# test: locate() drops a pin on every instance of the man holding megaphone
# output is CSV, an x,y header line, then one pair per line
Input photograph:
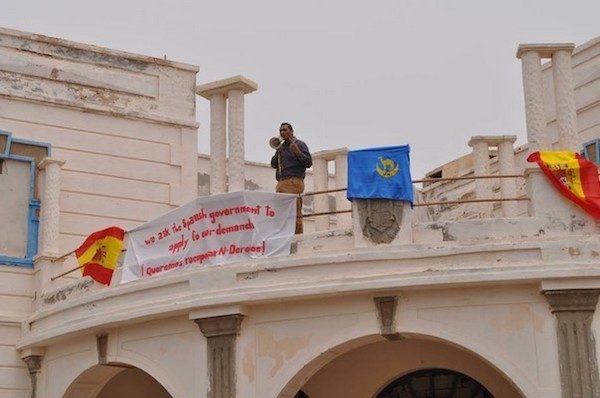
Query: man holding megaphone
x,y
290,161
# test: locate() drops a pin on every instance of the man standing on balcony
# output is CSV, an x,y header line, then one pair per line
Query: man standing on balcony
x,y
290,161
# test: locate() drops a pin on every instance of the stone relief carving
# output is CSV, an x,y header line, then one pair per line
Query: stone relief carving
x,y
380,219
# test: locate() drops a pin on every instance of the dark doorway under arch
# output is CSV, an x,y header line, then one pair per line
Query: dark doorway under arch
x,y
435,383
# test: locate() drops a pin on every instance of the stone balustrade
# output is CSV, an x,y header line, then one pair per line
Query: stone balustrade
x,y
321,182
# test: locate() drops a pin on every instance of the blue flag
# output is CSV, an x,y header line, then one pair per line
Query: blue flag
x,y
380,173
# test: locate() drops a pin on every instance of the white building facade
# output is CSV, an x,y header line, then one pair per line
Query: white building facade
x,y
493,300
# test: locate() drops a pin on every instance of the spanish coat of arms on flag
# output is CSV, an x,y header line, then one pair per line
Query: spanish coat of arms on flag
x,y
575,177
99,253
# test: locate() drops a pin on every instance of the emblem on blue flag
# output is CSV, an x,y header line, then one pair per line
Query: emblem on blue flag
x,y
387,167
382,173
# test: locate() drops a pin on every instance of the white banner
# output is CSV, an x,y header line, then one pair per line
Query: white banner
x,y
212,230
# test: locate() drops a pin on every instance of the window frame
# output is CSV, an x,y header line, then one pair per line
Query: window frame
x,y
596,158
33,219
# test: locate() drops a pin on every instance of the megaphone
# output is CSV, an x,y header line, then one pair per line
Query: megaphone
x,y
275,142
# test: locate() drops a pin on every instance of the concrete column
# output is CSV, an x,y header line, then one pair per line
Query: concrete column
x,y
533,91
481,167
218,144
233,88
321,201
235,165
44,263
508,187
50,206
574,310
339,155
564,96
221,333
344,220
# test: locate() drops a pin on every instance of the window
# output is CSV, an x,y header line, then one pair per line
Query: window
x,y
431,383
591,151
19,198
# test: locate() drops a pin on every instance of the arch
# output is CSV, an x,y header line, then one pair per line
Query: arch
x,y
115,362
149,367
116,380
323,357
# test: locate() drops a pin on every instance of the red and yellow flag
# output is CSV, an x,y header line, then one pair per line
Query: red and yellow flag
x,y
99,253
575,177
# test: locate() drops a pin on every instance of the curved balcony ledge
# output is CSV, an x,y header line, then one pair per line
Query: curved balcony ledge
x,y
296,277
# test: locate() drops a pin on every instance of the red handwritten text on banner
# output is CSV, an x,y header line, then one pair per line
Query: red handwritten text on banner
x,y
211,230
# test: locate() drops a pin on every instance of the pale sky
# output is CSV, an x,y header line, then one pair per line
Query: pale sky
x,y
345,73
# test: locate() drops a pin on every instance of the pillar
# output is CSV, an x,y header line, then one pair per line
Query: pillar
x,y
221,333
344,220
574,310
508,186
530,55
218,144
481,167
50,209
233,90
44,263
533,91
564,97
321,201
235,164
33,359
321,177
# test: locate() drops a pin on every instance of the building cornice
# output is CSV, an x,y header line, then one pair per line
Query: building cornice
x,y
97,49
298,278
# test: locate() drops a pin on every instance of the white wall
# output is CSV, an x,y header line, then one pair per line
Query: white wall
x,y
124,124
509,328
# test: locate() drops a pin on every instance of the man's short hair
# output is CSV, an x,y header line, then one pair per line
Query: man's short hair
x,y
287,124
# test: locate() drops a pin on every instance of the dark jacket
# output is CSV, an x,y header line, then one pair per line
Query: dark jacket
x,y
287,164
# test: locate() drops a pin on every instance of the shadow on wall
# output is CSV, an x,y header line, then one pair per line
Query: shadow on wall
x,y
133,383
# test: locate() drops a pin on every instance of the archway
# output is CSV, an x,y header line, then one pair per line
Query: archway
x,y
116,381
367,370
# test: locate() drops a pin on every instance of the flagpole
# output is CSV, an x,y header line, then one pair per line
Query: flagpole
x,y
72,269
63,256
66,272
69,253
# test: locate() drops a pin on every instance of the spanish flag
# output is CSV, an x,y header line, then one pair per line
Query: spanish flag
x,y
575,177
99,253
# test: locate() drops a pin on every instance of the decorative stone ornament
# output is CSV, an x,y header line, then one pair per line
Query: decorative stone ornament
x,y
34,363
102,347
386,313
380,219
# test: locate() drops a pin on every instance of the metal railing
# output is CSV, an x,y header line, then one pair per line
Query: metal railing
x,y
432,180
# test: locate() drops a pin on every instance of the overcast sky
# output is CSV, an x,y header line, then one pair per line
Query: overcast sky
x,y
344,73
